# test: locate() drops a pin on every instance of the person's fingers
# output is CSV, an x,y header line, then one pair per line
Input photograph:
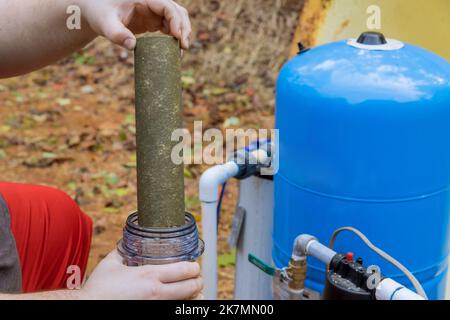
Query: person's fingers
x,y
165,27
168,10
186,28
174,20
178,272
115,31
115,257
182,289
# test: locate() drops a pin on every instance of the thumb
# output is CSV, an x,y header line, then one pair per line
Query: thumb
x,y
114,30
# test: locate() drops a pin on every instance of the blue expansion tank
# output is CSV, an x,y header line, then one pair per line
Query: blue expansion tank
x,y
364,141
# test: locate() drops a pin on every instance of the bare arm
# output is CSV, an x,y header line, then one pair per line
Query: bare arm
x,y
34,33
112,280
48,295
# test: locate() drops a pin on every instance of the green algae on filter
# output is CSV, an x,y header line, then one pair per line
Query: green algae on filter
x,y
160,182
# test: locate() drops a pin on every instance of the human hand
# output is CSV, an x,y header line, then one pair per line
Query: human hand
x,y
121,20
113,280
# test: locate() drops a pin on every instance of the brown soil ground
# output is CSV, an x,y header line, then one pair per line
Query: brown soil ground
x,y
71,125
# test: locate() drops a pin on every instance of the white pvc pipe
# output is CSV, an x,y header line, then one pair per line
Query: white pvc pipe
x,y
210,181
320,252
389,289
307,245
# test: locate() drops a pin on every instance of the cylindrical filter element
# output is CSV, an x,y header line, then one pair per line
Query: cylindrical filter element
x,y
160,182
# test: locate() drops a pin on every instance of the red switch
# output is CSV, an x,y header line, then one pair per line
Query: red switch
x,y
349,256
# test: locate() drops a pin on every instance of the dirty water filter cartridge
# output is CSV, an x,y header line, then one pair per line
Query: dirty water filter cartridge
x,y
158,113
160,232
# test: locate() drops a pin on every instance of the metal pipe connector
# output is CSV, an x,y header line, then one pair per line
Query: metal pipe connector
x,y
152,246
305,245
297,273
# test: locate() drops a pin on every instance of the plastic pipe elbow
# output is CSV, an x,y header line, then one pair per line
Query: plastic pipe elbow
x,y
300,248
210,181
307,245
212,178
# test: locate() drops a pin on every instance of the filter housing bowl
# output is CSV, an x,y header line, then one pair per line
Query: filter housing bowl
x,y
153,246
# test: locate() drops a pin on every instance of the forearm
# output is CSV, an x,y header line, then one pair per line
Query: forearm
x,y
33,34
47,295
111,279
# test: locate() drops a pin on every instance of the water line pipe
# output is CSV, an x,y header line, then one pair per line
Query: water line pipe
x,y
387,289
243,164
210,181
307,245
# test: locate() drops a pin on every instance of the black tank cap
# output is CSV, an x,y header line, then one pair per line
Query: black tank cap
x,y
302,48
372,38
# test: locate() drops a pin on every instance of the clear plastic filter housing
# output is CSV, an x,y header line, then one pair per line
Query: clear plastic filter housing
x,y
152,246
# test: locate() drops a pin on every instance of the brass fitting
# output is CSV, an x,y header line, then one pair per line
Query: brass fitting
x,y
297,273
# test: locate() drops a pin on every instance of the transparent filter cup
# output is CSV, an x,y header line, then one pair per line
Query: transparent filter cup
x,y
143,246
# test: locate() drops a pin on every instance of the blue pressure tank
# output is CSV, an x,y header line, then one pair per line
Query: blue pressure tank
x,y
364,141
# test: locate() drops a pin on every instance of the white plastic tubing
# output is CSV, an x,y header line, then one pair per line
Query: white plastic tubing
x,y
389,289
210,181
